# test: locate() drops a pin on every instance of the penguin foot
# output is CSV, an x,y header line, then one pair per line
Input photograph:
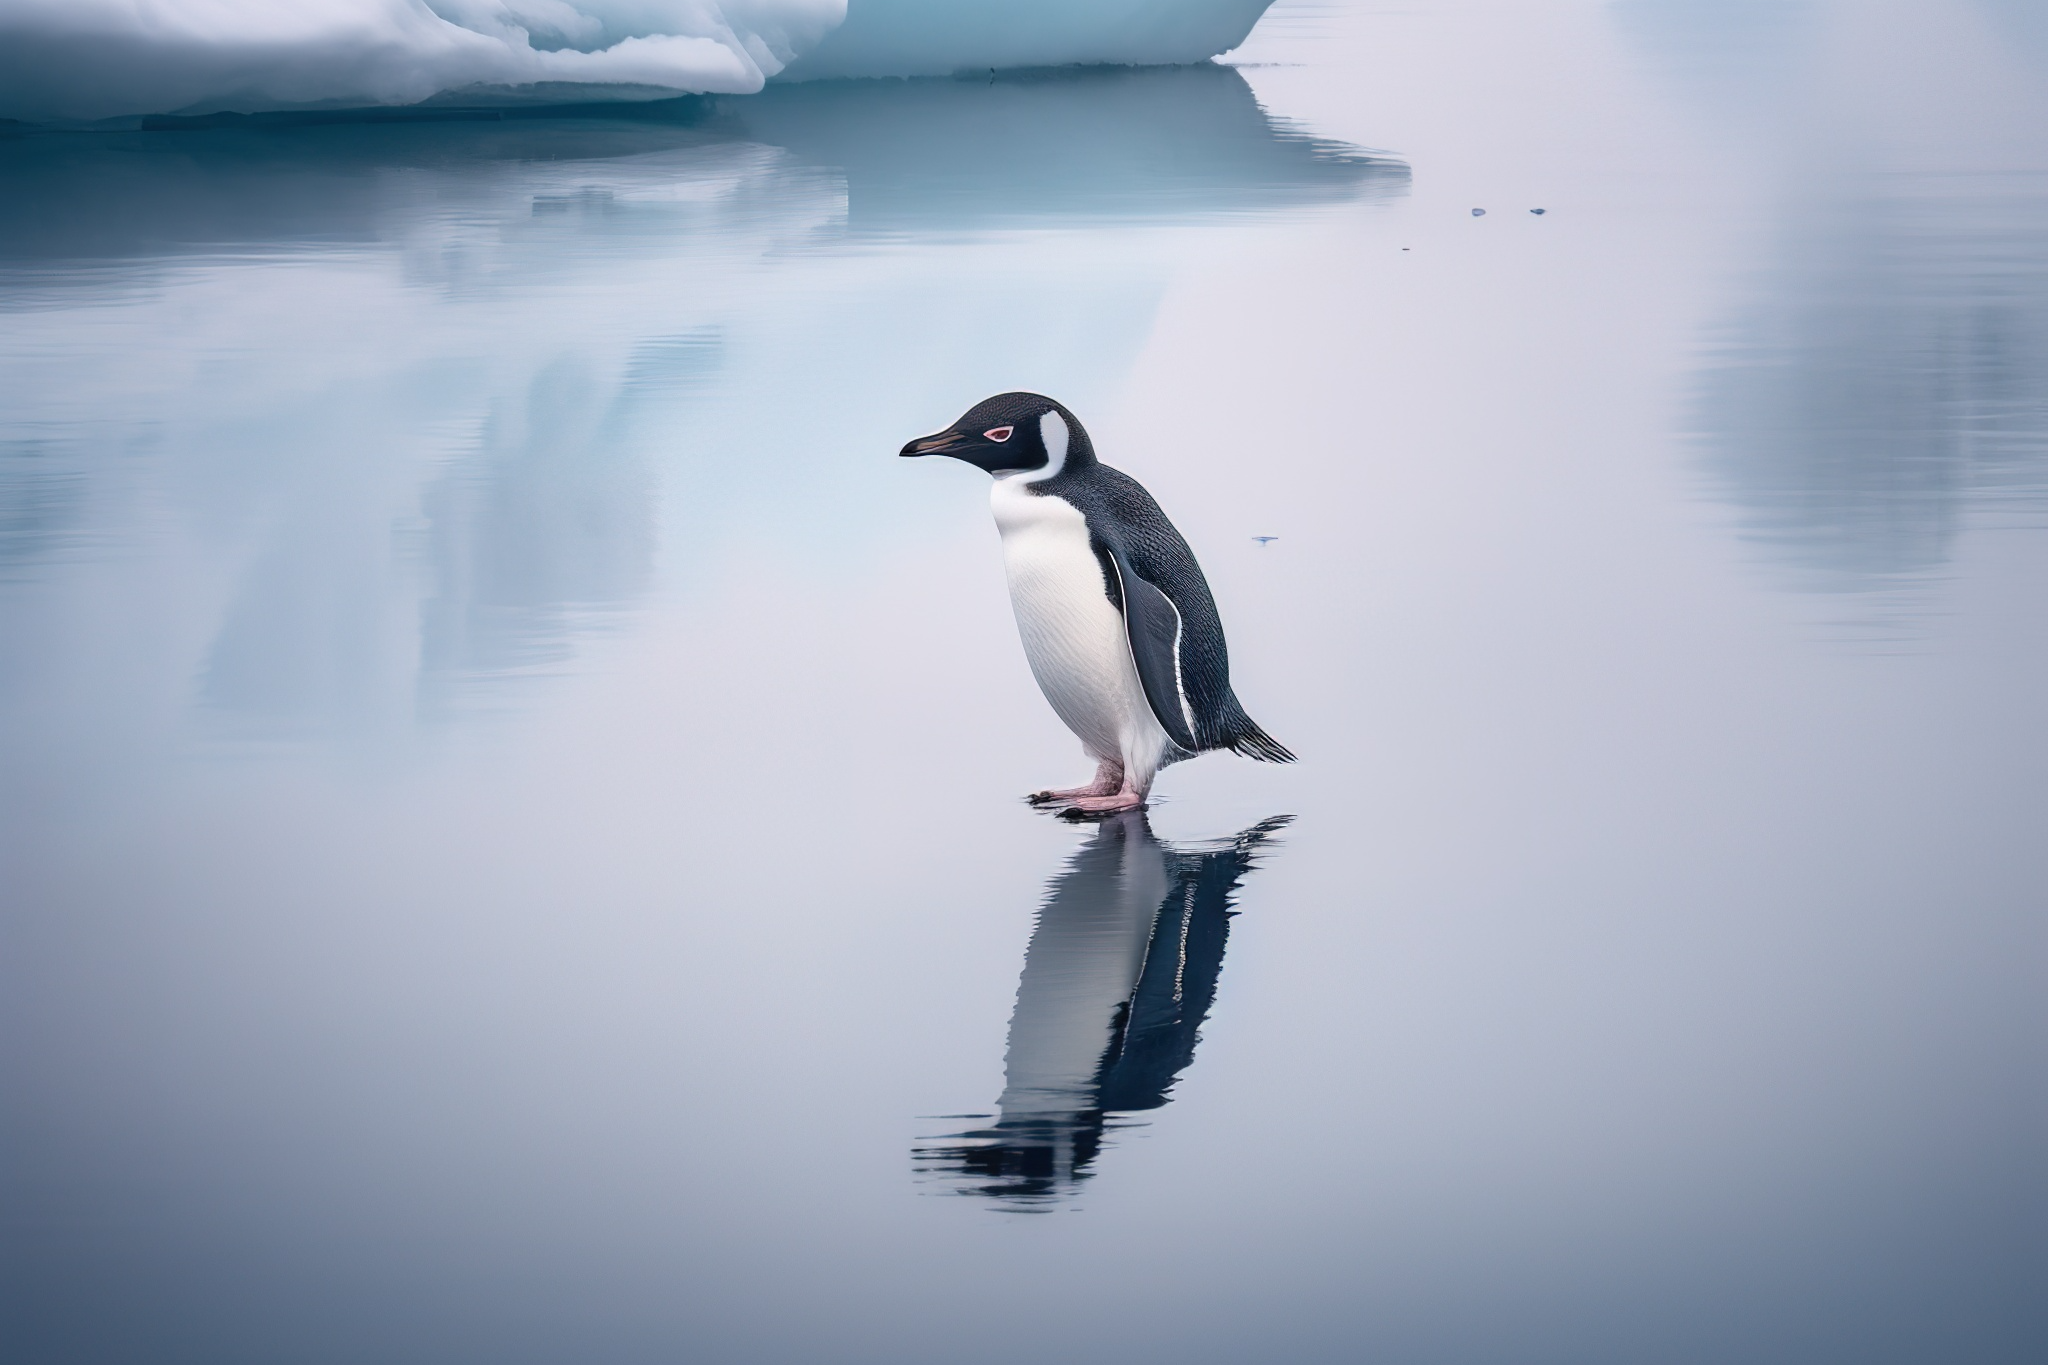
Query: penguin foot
x,y
1103,805
1048,798
1109,780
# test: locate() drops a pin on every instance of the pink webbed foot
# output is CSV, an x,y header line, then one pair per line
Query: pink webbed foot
x,y
1114,804
1107,781
1048,798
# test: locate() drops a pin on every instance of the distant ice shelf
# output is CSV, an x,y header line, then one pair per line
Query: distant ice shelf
x,y
85,60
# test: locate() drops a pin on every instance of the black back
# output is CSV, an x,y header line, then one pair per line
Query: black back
x,y
1133,537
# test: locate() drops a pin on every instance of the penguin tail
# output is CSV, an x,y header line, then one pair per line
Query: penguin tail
x,y
1252,742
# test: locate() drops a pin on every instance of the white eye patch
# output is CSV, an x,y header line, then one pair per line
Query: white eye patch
x,y
999,433
1052,429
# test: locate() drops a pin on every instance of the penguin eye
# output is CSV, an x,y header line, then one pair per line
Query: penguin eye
x,y
999,433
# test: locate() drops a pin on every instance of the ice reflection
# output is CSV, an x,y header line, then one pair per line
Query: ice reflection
x,y
1883,380
1120,974
921,155
1890,379
1078,144
42,503
552,513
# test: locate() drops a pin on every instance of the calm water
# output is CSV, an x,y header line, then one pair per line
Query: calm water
x,y
509,790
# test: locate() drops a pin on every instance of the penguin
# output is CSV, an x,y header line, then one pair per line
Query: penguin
x,y
1116,617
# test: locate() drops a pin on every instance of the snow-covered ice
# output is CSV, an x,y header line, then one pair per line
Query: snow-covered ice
x,y
84,60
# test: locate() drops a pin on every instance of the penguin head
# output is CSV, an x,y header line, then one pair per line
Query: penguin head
x,y
1012,433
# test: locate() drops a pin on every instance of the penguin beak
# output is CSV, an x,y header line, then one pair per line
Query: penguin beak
x,y
943,443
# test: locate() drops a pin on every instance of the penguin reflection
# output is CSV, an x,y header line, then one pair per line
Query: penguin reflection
x,y
1119,976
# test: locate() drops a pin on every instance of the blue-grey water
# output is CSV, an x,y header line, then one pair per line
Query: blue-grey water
x,y
509,791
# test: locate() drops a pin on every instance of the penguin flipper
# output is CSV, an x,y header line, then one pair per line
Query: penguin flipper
x,y
1154,627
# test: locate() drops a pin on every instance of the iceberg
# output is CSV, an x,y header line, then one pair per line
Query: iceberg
x,y
95,59
945,37
90,60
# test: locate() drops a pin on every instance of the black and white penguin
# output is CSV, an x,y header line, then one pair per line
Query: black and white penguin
x,y
1117,619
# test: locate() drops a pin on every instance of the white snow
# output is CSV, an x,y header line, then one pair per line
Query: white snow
x,y
94,59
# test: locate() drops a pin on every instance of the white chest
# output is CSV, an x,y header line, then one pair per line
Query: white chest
x,y
1055,579
1073,635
